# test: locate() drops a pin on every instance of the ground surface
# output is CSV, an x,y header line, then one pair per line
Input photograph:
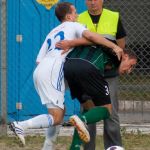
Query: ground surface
x,y
130,141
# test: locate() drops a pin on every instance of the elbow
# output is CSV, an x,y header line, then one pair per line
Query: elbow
x,y
90,38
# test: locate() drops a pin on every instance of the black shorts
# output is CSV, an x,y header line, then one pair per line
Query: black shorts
x,y
85,80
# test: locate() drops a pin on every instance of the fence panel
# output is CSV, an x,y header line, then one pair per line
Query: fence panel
x,y
3,96
134,92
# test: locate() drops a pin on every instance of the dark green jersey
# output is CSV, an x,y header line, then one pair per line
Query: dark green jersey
x,y
99,56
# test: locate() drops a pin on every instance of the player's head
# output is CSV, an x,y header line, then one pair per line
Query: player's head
x,y
66,11
128,62
94,6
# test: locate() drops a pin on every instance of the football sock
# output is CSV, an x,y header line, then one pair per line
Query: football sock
x,y
40,121
94,115
76,142
89,116
50,139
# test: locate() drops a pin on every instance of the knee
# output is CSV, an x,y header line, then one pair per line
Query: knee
x,y
58,115
58,118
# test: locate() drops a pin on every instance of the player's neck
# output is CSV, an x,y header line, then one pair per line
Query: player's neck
x,y
67,21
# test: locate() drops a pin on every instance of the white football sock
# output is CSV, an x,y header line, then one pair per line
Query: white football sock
x,y
40,121
50,139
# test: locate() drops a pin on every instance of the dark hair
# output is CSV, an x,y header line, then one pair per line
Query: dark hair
x,y
62,9
130,53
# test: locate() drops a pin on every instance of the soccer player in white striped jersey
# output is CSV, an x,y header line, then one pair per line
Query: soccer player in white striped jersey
x,y
48,75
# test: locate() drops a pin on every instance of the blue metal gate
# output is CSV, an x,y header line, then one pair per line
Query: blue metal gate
x,y
27,24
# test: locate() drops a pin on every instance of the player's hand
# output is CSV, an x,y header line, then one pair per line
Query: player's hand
x,y
118,51
64,45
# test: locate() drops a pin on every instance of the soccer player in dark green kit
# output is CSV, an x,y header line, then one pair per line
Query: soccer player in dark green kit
x,y
84,71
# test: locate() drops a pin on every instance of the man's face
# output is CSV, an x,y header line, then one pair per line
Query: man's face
x,y
73,15
127,65
94,6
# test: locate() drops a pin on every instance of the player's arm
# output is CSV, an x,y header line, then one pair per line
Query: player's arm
x,y
121,42
67,44
98,39
78,42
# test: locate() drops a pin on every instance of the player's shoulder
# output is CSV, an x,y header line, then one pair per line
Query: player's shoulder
x,y
77,24
70,23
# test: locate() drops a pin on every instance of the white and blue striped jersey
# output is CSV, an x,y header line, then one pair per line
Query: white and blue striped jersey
x,y
48,75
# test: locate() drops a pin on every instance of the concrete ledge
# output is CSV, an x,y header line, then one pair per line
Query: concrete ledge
x,y
134,105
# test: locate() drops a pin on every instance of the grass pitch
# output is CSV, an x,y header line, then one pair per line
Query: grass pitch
x,y
130,142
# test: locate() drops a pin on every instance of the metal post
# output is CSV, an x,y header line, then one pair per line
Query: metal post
x,y
3,123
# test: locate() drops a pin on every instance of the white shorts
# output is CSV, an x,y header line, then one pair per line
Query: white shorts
x,y
51,105
49,81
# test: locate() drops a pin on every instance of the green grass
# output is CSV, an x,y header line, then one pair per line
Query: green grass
x,y
130,142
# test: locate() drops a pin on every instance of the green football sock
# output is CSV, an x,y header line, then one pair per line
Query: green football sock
x,y
76,142
94,115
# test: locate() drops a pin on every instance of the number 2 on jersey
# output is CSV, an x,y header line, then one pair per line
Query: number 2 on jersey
x,y
59,35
